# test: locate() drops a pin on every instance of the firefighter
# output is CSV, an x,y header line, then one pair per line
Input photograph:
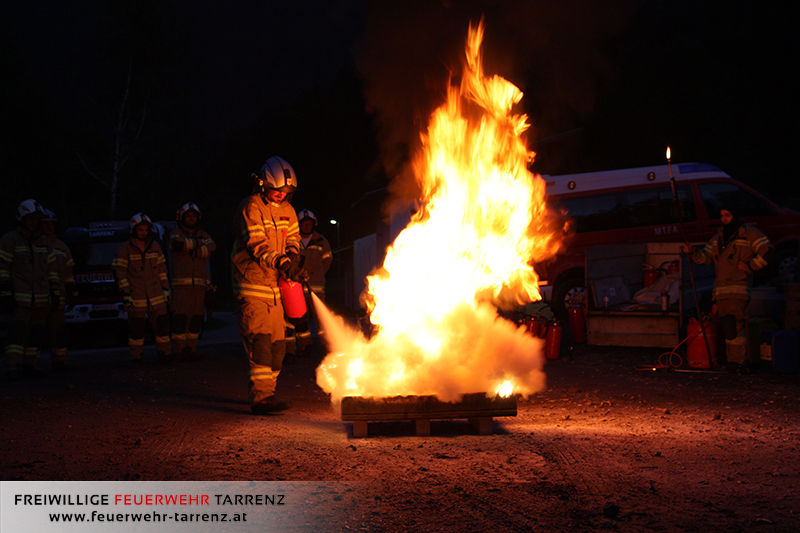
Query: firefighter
x,y
28,289
141,273
191,247
316,255
56,323
736,251
267,246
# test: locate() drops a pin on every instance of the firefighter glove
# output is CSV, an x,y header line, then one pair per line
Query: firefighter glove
x,y
55,299
289,267
72,294
300,273
167,296
127,302
284,266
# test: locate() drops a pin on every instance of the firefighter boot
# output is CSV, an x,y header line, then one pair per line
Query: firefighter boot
x,y
268,406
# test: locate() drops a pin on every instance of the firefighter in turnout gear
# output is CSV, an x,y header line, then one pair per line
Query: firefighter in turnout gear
x,y
141,273
316,260
28,290
56,322
191,248
736,251
266,247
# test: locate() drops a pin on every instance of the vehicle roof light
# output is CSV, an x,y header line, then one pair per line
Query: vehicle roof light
x,y
688,168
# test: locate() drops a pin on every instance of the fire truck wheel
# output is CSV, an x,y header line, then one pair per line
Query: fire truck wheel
x,y
564,293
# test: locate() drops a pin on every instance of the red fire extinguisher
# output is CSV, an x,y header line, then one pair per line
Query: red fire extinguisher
x,y
650,277
294,300
577,322
536,326
553,342
674,267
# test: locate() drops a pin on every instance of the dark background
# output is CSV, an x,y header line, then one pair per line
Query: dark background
x,y
187,99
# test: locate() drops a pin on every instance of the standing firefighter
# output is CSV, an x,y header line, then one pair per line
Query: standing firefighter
x,y
317,257
56,322
266,247
737,250
191,248
28,289
141,273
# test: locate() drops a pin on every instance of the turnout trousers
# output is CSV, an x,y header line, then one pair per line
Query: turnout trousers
x,y
57,328
137,324
188,308
735,339
26,336
262,329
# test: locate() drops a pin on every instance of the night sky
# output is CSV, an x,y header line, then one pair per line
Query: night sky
x,y
343,90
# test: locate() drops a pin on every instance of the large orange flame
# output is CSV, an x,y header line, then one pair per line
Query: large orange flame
x,y
469,250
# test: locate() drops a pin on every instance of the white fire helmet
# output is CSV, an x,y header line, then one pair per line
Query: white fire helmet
x,y
138,219
188,207
49,216
29,207
306,214
278,175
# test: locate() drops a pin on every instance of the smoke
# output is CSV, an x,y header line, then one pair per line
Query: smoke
x,y
555,51
479,350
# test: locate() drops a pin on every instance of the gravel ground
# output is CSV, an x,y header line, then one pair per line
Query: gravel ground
x,y
606,446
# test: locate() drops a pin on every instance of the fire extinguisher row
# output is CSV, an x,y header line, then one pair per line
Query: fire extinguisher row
x,y
550,331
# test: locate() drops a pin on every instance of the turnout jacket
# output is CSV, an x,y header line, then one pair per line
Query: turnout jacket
x,y
318,260
190,253
143,275
264,232
747,245
27,268
64,266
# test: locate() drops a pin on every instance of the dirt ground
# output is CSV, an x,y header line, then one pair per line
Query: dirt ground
x,y
607,446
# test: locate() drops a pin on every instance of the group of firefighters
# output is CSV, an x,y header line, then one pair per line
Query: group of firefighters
x,y
36,283
36,279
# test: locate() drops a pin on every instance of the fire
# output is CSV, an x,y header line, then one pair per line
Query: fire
x,y
468,251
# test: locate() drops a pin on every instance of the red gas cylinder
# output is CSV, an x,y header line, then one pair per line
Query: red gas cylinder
x,y
696,346
577,322
553,342
294,300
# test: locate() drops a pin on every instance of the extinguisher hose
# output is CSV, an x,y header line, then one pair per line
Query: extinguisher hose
x,y
672,360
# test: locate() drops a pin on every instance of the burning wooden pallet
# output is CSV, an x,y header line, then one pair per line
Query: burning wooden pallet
x,y
476,408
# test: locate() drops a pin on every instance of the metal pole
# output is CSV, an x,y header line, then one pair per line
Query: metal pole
x,y
689,259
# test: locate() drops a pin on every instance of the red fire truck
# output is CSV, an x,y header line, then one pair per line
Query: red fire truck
x,y
638,205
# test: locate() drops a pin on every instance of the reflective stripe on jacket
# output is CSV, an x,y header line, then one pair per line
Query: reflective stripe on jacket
x,y
190,253
27,268
64,266
748,245
264,231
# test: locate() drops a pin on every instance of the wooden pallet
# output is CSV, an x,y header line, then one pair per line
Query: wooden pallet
x,y
476,408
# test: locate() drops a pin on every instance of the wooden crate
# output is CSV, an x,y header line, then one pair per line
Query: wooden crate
x,y
476,408
634,328
616,273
